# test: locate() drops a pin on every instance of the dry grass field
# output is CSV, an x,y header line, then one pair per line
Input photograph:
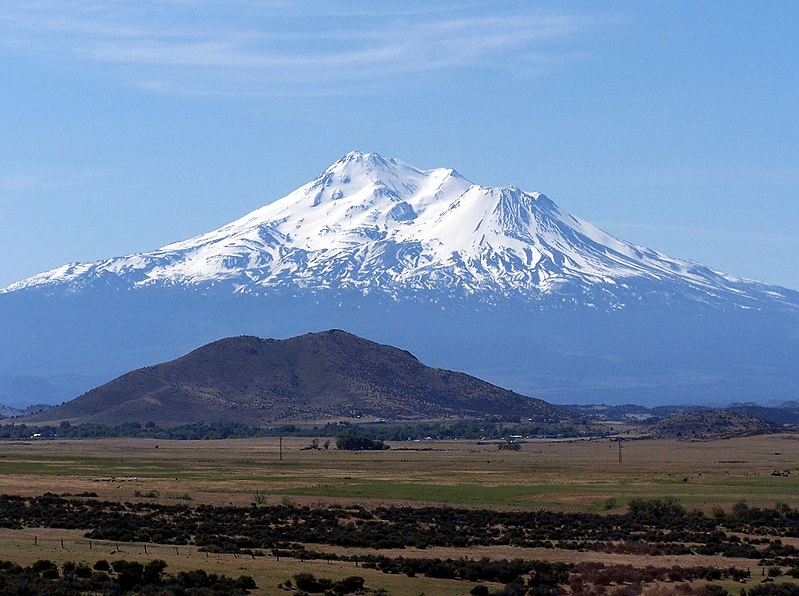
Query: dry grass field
x,y
589,476
561,475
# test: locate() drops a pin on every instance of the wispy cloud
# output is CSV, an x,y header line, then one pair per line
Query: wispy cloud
x,y
34,182
726,237
211,47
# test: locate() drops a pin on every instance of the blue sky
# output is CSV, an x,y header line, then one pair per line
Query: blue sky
x,y
128,125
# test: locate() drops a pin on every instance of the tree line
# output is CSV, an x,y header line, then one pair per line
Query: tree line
x,y
488,429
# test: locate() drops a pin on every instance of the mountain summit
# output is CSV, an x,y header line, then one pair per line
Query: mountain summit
x,y
379,225
496,282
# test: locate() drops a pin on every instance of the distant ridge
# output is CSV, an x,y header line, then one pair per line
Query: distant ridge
x,y
317,377
782,414
712,424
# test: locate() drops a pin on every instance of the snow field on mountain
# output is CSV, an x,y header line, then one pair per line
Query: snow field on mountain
x,y
384,226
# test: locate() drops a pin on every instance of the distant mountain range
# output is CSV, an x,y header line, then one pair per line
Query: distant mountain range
x,y
705,426
779,414
319,377
497,282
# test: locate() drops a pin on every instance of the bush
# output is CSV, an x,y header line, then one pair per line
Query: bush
x,y
48,569
246,582
352,443
712,590
509,446
348,585
306,582
152,571
43,565
655,511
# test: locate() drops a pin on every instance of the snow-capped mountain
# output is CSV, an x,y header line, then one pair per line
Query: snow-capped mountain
x,y
495,282
381,225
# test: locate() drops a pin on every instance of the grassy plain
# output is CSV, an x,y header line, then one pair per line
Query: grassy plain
x,y
589,475
577,475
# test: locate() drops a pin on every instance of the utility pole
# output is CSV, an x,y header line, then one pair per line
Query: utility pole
x,y
621,446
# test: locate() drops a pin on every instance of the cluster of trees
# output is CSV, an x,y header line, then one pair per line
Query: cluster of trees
x,y
491,429
45,578
89,430
540,578
473,570
587,577
359,443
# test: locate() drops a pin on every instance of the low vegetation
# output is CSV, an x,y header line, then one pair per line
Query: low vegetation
x,y
44,577
656,527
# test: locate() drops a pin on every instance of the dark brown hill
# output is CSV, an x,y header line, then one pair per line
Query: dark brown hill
x,y
315,377
712,424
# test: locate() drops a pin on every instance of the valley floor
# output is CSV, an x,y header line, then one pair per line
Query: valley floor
x,y
594,478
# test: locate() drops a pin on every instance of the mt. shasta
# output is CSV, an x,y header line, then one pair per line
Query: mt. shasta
x,y
495,281
377,225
